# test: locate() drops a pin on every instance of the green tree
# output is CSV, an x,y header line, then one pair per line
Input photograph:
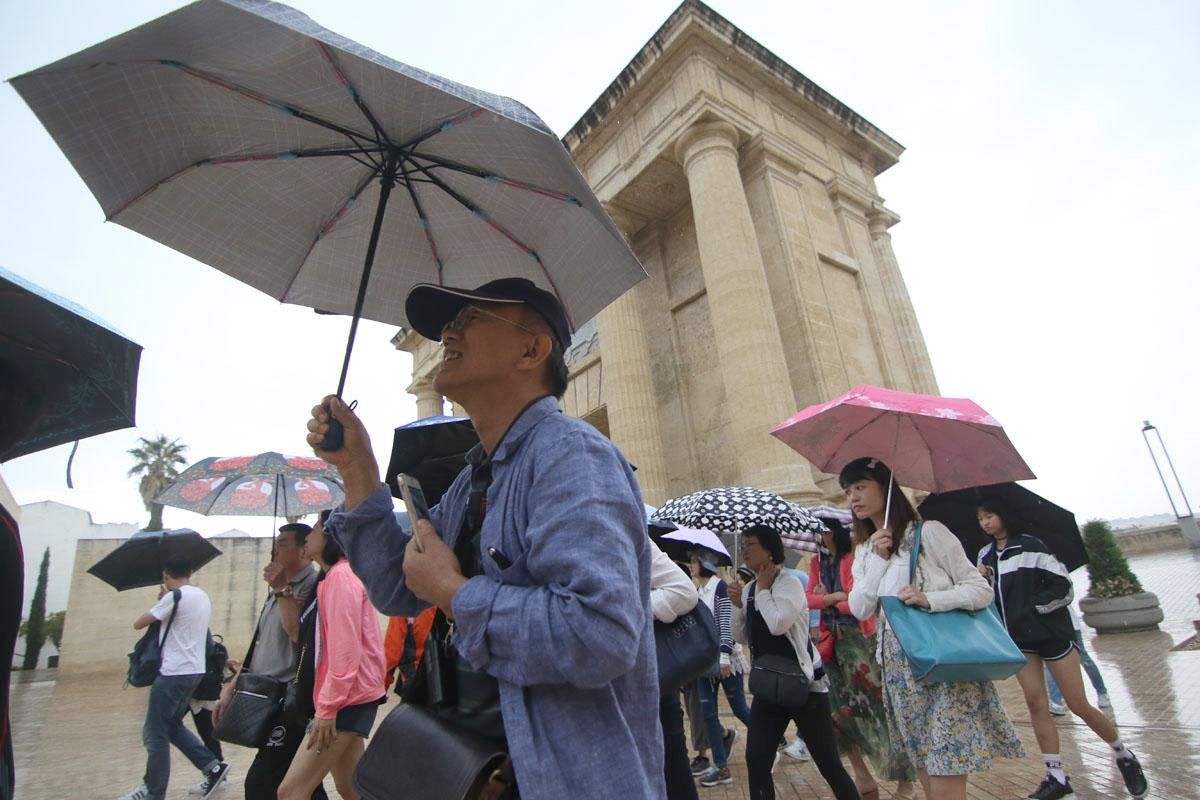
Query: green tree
x,y
1109,574
157,461
54,628
35,627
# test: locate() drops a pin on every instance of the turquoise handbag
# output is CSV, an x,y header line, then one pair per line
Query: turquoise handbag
x,y
950,646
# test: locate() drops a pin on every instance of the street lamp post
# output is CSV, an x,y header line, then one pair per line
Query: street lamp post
x,y
1187,524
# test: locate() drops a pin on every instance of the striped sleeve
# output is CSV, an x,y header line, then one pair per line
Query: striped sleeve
x,y
723,609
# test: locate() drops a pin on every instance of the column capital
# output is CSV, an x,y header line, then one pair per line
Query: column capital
x,y
703,136
879,219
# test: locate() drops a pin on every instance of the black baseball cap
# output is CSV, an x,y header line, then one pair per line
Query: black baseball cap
x,y
429,306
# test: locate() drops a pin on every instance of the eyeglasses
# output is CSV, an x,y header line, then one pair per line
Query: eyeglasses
x,y
470,314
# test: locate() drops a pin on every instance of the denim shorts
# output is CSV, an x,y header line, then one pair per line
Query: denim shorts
x,y
357,720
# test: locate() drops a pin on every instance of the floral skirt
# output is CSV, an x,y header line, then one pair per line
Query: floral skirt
x,y
856,694
947,728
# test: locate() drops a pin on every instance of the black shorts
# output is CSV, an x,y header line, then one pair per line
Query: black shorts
x,y
357,719
1050,649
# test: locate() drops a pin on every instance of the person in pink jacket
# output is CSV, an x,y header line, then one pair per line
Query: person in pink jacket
x,y
341,630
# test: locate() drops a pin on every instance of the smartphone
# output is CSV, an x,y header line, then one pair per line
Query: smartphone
x,y
414,501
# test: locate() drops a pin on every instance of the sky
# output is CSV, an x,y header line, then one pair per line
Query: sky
x,y
1046,193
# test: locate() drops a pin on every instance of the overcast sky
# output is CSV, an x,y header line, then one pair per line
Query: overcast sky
x,y
1046,192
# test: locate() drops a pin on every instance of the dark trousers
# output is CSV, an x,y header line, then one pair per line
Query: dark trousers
x,y
202,719
272,761
678,774
815,726
164,727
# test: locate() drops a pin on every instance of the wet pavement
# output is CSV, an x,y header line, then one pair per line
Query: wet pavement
x,y
82,738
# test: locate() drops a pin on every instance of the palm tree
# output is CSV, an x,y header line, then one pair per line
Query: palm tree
x,y
157,461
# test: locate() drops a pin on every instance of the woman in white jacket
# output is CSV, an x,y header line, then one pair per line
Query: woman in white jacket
x,y
948,729
672,594
771,615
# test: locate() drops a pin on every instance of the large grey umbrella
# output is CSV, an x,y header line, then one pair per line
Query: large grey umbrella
x,y
250,138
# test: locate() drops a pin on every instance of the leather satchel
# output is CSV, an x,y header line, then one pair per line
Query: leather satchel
x,y
688,648
779,680
416,754
951,646
252,711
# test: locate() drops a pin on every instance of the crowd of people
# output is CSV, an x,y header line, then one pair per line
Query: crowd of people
x,y
534,577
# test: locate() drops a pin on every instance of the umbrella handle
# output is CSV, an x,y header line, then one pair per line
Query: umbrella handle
x,y
887,507
336,436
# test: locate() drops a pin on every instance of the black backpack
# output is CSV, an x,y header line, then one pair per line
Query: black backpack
x,y
215,658
146,658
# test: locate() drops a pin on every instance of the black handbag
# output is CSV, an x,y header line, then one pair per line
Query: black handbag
x,y
146,659
688,648
779,680
252,711
417,754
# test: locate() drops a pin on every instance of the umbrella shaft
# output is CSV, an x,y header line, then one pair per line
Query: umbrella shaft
x,y
388,179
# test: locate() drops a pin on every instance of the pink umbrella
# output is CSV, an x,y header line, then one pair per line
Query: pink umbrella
x,y
934,443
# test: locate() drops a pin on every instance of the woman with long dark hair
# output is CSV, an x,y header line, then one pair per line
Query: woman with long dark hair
x,y
348,664
771,614
1033,592
947,730
847,648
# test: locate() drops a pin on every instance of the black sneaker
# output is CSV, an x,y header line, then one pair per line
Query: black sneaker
x,y
699,766
1135,779
214,778
1051,789
730,738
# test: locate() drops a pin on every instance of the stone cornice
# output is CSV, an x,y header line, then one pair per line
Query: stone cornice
x,y
849,196
885,150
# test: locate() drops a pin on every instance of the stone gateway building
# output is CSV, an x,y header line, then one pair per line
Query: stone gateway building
x,y
748,192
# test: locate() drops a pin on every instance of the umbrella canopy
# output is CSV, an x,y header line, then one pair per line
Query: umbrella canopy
x,y
732,509
139,560
934,443
679,544
243,134
268,484
85,371
433,450
1033,514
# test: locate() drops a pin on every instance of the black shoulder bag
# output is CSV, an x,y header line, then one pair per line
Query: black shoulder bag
x,y
146,659
778,679
255,706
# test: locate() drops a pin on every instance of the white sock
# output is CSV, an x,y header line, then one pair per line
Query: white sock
x,y
1054,767
1120,751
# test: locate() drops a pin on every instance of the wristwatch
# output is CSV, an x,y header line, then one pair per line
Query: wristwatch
x,y
286,592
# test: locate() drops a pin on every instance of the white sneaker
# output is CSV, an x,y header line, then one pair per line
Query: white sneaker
x,y
1058,709
138,793
1102,701
797,751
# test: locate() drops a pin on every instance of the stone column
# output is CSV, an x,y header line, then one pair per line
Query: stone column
x,y
908,329
748,345
429,402
629,386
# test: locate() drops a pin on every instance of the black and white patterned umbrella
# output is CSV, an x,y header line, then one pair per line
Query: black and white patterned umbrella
x,y
732,509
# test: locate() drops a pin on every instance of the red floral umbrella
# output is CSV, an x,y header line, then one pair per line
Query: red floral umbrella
x,y
268,484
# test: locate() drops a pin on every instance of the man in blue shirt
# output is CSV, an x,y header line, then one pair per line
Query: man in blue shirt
x,y
552,600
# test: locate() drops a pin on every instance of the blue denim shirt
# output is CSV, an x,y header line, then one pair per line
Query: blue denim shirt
x,y
566,629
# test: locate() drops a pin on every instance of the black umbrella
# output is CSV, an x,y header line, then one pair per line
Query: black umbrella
x,y
433,450
139,560
85,372
1034,514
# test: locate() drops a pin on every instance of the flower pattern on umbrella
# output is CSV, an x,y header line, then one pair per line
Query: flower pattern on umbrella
x,y
268,484
731,510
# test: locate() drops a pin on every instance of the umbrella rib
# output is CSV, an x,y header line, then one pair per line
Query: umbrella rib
x,y
285,108
483,215
329,225
441,127
425,224
494,177
380,134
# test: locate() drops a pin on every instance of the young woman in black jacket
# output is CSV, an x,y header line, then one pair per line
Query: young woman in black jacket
x,y
1033,591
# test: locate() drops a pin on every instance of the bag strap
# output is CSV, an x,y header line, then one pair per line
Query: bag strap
x,y
916,552
177,594
254,641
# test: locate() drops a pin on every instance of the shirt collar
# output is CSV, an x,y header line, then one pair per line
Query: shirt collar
x,y
534,413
